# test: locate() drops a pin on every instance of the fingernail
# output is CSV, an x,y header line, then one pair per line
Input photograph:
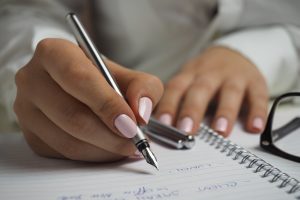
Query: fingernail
x,y
222,124
145,108
165,119
258,123
186,124
126,126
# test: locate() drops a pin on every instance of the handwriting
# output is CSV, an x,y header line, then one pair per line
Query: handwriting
x,y
152,193
196,167
140,193
220,186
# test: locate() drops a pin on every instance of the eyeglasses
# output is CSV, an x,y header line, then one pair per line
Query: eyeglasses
x,y
281,136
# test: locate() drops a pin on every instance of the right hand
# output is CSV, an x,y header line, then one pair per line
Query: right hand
x,y
66,109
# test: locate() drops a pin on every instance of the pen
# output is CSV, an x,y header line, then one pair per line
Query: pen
x,y
169,135
91,51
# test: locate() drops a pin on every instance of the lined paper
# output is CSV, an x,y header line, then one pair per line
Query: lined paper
x,y
201,172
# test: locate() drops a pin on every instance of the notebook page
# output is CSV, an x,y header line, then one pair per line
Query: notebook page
x,y
202,172
251,143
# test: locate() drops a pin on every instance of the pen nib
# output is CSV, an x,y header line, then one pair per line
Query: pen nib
x,y
150,158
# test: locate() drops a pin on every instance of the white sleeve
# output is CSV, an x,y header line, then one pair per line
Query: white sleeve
x,y
272,51
24,23
230,12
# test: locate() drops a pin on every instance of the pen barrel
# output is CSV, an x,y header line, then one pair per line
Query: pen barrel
x,y
140,140
139,136
94,55
169,135
90,50
173,142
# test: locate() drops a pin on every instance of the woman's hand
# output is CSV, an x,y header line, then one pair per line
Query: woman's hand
x,y
222,73
66,109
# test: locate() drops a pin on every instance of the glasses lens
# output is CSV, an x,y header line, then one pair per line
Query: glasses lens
x,y
286,126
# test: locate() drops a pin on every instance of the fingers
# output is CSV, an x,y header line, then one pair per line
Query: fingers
x,y
75,118
258,106
73,111
170,102
230,100
61,142
143,91
195,103
76,75
39,146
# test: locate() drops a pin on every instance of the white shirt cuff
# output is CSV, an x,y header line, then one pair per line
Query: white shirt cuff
x,y
272,51
41,33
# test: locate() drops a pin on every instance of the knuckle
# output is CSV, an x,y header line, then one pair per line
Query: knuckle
x,y
227,110
259,98
78,120
259,106
148,79
19,108
263,97
33,143
21,77
175,84
44,46
203,84
16,107
108,106
75,71
259,80
187,110
163,107
153,80
234,88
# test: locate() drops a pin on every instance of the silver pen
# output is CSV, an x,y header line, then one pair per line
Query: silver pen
x,y
169,135
91,51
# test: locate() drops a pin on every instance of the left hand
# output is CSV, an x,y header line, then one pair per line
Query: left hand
x,y
219,72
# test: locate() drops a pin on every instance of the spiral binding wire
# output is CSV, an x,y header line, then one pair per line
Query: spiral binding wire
x,y
239,153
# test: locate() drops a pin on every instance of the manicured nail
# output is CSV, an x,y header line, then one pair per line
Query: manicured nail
x,y
222,124
145,108
186,124
126,126
165,119
258,123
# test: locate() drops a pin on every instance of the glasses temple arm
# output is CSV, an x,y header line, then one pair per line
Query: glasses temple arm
x,y
286,129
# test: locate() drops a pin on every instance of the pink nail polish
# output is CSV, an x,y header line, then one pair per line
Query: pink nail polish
x,y
222,124
145,108
258,123
126,126
186,124
165,119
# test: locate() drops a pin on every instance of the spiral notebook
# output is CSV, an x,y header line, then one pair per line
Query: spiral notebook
x,y
214,168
